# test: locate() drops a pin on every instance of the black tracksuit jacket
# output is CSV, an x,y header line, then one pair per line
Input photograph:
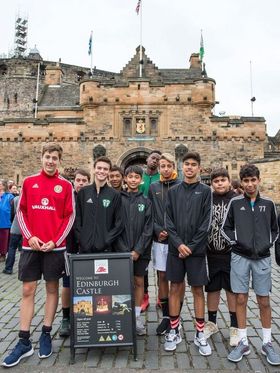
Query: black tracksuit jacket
x,y
158,195
189,211
251,231
98,218
136,212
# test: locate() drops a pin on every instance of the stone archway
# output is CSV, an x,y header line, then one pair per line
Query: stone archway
x,y
134,156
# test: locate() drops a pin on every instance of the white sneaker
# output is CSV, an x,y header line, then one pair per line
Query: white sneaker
x,y
233,336
171,340
140,328
210,328
203,346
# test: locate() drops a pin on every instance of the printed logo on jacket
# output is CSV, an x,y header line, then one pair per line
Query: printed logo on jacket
x,y
44,205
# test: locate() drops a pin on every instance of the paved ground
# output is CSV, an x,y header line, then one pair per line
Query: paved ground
x,y
151,355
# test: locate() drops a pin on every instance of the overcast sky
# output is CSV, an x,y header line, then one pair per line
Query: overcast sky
x,y
235,32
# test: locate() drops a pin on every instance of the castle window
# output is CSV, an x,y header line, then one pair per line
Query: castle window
x,y
127,126
154,126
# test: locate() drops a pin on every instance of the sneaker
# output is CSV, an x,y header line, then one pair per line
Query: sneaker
x,y
45,346
271,356
64,330
163,326
7,271
203,346
145,303
140,328
20,351
210,329
240,350
171,340
233,336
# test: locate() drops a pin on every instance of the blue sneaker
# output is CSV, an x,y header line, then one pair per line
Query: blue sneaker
x,y
20,351
45,346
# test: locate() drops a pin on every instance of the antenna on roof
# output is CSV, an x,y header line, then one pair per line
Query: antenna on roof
x,y
21,30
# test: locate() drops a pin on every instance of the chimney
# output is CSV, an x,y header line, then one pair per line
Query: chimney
x,y
195,62
53,75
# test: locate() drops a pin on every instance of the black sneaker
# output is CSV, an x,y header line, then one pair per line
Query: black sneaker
x,y
45,346
7,271
20,351
64,330
163,326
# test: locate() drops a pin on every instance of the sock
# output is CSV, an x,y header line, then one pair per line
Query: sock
x,y
242,334
137,311
164,306
233,319
46,329
66,313
266,335
174,322
199,324
24,336
212,316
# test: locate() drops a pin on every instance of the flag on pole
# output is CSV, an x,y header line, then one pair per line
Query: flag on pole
x,y
138,6
201,50
90,44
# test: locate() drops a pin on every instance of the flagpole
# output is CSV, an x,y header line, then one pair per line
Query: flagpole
x,y
37,90
141,53
91,63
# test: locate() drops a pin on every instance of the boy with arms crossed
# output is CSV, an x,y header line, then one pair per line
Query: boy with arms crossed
x,y
98,217
158,195
218,257
45,215
250,225
137,234
188,222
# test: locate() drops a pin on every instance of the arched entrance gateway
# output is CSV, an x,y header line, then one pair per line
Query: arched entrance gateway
x,y
134,156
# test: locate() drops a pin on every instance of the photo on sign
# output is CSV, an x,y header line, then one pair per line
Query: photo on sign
x,y
82,306
121,304
102,304
101,267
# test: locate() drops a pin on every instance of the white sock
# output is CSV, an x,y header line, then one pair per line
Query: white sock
x,y
137,311
266,335
242,334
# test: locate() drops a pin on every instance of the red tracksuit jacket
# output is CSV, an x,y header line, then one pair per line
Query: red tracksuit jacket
x,y
46,209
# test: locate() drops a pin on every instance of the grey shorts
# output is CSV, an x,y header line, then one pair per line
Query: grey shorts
x,y
242,269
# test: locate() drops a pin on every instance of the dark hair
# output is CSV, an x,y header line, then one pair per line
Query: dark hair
x,y
136,169
219,172
249,170
82,172
52,148
103,159
235,184
192,155
154,151
117,168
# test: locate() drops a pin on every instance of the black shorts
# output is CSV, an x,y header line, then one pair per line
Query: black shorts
x,y
194,267
34,264
219,273
66,281
140,267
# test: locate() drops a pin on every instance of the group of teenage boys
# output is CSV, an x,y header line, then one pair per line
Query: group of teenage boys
x,y
219,240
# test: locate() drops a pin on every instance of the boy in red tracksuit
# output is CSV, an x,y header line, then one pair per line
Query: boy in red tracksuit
x,y
45,215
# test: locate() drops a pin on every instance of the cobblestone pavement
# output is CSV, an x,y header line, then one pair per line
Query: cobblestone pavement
x,y
151,355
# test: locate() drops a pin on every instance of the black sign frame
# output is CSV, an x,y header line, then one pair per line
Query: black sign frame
x,y
115,257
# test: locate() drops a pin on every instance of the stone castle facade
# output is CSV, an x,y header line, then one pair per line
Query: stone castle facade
x,y
124,116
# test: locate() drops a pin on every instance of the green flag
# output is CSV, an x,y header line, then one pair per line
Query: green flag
x,y
201,50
